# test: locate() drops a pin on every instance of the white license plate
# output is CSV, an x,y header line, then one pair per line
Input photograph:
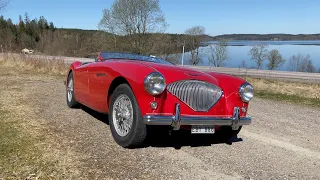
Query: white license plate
x,y
202,130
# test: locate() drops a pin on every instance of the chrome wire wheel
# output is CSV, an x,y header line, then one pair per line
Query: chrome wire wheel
x,y
122,115
70,90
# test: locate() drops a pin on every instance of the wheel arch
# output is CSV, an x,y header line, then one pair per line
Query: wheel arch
x,y
65,82
114,84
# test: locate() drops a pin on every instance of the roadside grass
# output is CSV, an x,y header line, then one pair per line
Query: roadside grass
x,y
293,92
19,156
33,63
29,148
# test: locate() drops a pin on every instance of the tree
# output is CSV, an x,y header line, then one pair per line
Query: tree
x,y
134,19
309,67
193,42
275,59
258,54
301,63
3,3
243,64
51,27
22,25
218,53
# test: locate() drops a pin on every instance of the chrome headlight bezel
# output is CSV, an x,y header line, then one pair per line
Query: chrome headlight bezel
x,y
246,92
152,87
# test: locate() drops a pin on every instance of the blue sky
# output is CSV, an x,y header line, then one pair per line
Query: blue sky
x,y
217,16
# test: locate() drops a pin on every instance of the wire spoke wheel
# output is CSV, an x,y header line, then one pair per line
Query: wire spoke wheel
x,y
122,114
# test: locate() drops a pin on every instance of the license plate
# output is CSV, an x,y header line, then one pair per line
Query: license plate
x,y
202,130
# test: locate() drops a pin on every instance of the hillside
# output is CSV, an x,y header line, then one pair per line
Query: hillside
x,y
43,37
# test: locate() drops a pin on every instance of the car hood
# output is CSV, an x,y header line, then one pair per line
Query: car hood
x,y
174,73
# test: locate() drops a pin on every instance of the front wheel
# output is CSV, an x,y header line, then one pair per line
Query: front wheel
x,y
127,127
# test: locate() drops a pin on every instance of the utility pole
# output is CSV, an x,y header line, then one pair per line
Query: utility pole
x,y
184,43
182,55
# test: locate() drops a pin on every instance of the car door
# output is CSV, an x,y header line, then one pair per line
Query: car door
x,y
81,88
99,82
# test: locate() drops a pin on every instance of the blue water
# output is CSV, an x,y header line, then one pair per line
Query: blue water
x,y
250,43
238,51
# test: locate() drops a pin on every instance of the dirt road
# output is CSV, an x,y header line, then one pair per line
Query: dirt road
x,y
282,143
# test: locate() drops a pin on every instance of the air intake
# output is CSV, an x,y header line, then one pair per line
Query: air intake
x,y
198,95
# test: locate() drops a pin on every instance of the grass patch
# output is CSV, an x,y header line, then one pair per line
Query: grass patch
x,y
34,63
293,92
288,98
29,147
19,156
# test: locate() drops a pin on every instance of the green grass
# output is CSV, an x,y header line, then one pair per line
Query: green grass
x,y
302,93
18,154
288,98
21,151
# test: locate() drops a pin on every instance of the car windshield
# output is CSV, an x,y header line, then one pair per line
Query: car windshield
x,y
129,56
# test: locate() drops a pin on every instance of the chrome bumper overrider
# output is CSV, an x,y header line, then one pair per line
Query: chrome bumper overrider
x,y
177,120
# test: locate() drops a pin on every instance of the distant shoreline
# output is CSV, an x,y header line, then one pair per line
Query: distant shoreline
x,y
254,42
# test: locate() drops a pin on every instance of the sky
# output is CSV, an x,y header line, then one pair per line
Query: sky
x,y
217,16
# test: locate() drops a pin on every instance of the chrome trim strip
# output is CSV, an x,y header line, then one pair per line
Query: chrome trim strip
x,y
177,120
186,120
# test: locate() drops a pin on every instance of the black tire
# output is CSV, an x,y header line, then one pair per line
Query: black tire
x,y
72,103
227,134
137,134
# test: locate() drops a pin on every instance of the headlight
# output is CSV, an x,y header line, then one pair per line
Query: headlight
x,y
155,83
246,92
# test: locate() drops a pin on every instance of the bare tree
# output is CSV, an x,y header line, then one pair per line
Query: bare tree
x,y
107,24
310,67
218,53
243,64
301,63
258,54
275,59
3,3
135,19
195,36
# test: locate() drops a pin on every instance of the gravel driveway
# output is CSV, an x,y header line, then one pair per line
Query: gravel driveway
x,y
283,142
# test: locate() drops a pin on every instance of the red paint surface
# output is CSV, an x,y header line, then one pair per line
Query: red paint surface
x,y
92,82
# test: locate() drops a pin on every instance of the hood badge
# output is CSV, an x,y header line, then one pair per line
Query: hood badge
x,y
192,74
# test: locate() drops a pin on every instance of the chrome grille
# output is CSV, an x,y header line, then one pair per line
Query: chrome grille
x,y
198,95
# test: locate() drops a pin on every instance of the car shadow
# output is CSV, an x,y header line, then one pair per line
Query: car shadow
x,y
182,138
100,116
161,136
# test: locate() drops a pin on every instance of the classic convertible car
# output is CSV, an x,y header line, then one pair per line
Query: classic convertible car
x,y
138,92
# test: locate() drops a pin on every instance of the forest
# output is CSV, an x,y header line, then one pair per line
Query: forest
x,y
43,37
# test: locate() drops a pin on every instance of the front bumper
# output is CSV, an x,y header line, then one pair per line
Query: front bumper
x,y
177,120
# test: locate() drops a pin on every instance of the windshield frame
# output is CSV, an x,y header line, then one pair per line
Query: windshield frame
x,y
131,56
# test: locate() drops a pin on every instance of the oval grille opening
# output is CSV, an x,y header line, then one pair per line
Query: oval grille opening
x,y
198,95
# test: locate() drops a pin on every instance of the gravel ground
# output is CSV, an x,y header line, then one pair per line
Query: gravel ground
x,y
283,142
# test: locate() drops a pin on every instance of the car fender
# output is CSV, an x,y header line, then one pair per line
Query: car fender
x,y
134,73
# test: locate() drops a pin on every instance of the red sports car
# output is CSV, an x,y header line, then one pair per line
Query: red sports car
x,y
141,91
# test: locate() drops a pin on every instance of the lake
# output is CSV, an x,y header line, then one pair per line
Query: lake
x,y
238,51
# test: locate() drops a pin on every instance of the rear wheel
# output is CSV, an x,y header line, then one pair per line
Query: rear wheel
x,y
71,101
127,127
